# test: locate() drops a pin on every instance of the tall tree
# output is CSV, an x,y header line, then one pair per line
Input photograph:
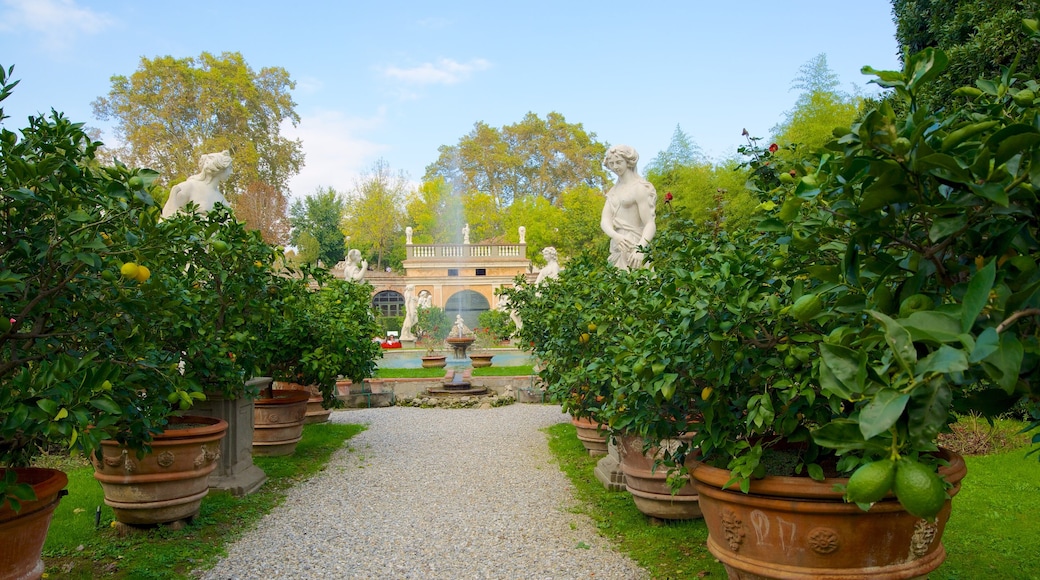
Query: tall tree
x,y
319,215
681,151
980,37
171,111
264,207
374,219
435,213
535,157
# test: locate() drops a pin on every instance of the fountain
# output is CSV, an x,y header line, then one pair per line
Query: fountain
x,y
460,338
456,384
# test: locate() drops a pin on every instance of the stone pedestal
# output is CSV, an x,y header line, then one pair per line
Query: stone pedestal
x,y
608,470
235,472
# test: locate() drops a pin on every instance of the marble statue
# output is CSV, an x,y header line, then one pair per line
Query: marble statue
x,y
552,267
629,214
410,313
523,235
408,235
425,299
203,188
465,234
503,305
460,329
354,270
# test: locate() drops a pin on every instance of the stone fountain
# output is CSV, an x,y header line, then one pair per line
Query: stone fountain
x,y
460,338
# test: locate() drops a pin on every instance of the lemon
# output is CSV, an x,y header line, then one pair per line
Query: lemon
x,y
143,273
584,338
806,307
915,303
919,489
706,393
871,482
129,270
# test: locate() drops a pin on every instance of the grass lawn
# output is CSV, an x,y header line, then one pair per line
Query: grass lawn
x,y
993,533
75,549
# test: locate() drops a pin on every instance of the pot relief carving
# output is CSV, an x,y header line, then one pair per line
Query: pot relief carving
x,y
823,540
207,456
123,459
733,528
921,541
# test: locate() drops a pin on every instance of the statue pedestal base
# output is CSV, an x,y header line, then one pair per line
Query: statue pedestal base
x,y
608,470
235,471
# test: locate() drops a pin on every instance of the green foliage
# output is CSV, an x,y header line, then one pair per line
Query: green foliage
x,y
390,323
682,151
171,111
497,324
436,213
535,157
374,216
432,326
790,333
318,215
314,336
980,37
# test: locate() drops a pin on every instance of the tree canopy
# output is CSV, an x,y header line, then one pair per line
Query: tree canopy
x,y
535,157
980,37
318,216
375,213
172,110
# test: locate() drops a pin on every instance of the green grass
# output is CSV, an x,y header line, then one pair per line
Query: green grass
x,y
993,532
491,371
76,550
672,550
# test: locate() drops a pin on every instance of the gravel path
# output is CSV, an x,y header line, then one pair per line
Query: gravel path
x,y
432,494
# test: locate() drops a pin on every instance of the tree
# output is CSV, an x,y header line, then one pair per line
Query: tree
x,y
319,215
534,157
681,151
435,213
171,111
980,37
263,208
375,214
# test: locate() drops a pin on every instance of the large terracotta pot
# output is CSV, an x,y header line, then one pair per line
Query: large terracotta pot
x,y
434,362
278,422
480,360
794,527
316,411
168,483
649,486
22,534
592,435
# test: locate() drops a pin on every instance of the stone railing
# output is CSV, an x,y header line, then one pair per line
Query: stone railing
x,y
440,252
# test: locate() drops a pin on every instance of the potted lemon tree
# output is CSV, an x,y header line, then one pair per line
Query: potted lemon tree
x,y
78,284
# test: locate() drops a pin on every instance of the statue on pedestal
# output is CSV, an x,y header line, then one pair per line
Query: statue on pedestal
x,y
629,214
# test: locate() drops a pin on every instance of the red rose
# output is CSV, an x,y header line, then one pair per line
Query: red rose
x,y
774,148
668,197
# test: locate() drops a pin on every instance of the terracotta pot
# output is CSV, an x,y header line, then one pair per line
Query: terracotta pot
x,y
649,486
480,360
278,422
434,362
316,411
22,534
592,435
167,484
794,527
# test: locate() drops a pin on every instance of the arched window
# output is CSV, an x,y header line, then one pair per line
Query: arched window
x,y
389,303
467,303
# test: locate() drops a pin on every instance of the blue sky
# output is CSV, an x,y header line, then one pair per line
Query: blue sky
x,y
397,79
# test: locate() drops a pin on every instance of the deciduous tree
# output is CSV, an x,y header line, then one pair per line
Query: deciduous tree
x,y
535,157
319,215
435,213
172,110
374,220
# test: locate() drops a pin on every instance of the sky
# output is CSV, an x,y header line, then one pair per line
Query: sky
x,y
393,80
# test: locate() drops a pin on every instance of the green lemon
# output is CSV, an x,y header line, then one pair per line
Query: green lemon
x,y
219,246
108,276
919,489
789,210
915,303
871,482
786,178
806,307
1024,98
